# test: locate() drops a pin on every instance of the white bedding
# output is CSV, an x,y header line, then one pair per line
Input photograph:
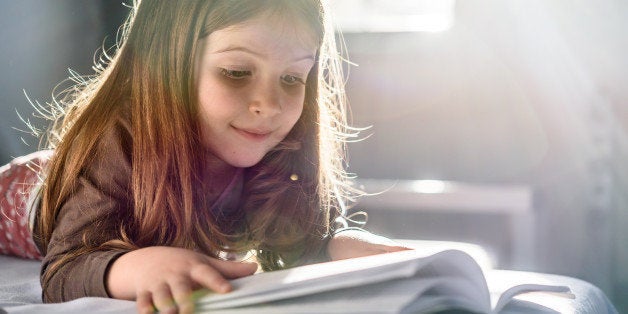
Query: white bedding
x,y
20,292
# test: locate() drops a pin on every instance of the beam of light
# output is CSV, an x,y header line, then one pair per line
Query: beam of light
x,y
429,186
356,16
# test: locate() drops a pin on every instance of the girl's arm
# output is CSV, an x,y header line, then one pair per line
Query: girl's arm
x,y
166,277
355,242
91,215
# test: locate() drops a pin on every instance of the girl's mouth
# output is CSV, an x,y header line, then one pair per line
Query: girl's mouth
x,y
255,135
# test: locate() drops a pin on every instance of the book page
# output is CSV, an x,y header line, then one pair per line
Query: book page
x,y
407,295
317,278
447,293
382,297
509,294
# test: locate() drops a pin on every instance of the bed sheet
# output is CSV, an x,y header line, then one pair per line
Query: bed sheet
x,y
20,292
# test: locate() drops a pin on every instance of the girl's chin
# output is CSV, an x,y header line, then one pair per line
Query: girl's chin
x,y
249,161
237,159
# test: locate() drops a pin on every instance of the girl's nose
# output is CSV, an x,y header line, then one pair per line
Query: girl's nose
x,y
266,101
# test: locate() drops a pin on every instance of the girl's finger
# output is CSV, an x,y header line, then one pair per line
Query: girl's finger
x,y
182,294
232,270
144,303
210,278
397,248
163,300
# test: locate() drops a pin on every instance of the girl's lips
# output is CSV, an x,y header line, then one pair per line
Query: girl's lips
x,y
253,134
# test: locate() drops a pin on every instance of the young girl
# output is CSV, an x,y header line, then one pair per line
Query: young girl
x,y
216,129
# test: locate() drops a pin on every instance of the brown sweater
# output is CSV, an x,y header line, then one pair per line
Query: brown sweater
x,y
103,192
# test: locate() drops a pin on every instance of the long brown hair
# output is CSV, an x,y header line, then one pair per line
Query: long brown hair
x,y
283,219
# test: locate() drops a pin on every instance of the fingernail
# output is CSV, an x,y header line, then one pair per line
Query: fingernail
x,y
225,287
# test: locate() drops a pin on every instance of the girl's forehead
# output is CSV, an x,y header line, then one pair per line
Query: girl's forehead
x,y
266,29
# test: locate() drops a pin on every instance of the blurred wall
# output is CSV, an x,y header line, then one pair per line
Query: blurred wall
x,y
40,41
517,92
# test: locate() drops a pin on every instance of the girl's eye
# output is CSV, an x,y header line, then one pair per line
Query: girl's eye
x,y
292,80
235,74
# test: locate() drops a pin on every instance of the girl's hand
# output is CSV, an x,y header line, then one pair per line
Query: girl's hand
x,y
163,278
358,243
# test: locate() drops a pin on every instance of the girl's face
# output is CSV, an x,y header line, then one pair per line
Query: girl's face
x,y
250,79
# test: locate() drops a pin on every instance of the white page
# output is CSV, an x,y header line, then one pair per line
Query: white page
x,y
311,279
382,297
510,293
314,278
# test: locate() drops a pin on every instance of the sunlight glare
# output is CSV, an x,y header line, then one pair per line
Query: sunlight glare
x,y
357,16
429,186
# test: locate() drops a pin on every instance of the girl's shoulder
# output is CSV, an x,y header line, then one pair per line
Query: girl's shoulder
x,y
117,137
110,164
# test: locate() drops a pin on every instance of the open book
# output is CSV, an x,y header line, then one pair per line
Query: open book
x,y
401,282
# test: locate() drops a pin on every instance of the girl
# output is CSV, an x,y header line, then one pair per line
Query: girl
x,y
216,129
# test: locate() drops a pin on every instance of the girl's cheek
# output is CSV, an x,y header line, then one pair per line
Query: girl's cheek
x,y
295,91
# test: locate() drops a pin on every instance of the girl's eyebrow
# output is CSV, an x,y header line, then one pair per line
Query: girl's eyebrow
x,y
258,54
